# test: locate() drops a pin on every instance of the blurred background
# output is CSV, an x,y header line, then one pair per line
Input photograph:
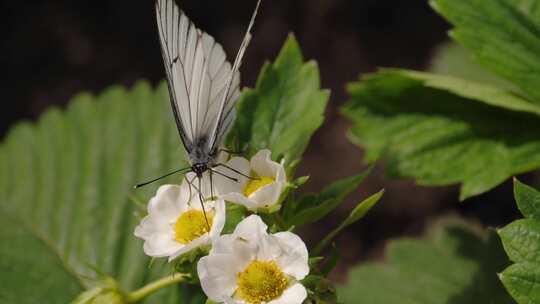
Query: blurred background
x,y
51,50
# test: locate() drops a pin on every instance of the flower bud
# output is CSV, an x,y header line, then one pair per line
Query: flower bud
x,y
107,292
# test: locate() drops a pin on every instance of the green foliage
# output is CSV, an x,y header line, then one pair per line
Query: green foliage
x,y
284,109
520,240
452,59
455,264
503,35
312,207
528,200
361,209
66,199
29,267
356,214
442,130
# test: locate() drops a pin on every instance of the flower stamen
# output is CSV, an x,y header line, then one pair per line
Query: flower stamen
x,y
256,184
192,225
261,281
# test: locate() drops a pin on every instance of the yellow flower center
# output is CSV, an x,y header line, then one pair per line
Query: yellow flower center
x,y
191,225
256,184
261,281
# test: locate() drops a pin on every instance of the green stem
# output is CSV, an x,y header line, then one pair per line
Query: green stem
x,y
322,244
279,220
141,293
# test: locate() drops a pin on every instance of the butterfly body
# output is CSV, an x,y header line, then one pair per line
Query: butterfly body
x,y
201,159
203,85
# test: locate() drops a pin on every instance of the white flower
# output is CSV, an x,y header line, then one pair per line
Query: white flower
x,y
176,224
260,192
252,266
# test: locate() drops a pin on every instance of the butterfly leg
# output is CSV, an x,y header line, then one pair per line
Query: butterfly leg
x,y
224,175
190,184
211,185
201,199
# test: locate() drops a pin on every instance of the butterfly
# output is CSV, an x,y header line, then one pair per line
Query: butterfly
x,y
203,86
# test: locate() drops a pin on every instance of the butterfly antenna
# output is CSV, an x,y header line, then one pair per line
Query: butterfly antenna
x,y
158,178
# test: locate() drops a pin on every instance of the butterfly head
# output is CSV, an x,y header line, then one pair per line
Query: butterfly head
x,y
199,168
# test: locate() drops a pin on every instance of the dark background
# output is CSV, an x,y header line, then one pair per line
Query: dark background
x,y
51,50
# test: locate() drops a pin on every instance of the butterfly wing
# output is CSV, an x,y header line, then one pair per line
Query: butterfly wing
x,y
201,81
227,112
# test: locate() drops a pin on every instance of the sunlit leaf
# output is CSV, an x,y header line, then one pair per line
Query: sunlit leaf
x,y
66,199
284,109
503,36
442,130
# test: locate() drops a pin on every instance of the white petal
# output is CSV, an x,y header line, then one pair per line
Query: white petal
x,y
267,195
251,229
294,258
223,244
198,242
185,196
280,174
296,294
167,202
226,185
269,248
197,205
217,274
219,218
262,164
150,225
240,199
161,245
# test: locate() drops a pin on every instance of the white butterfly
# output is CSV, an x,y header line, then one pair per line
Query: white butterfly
x,y
203,86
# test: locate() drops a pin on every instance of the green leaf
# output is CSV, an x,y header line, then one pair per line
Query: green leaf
x,y
442,130
235,214
284,109
454,264
29,267
64,188
521,242
362,209
527,199
452,59
503,35
490,95
356,214
521,281
312,207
